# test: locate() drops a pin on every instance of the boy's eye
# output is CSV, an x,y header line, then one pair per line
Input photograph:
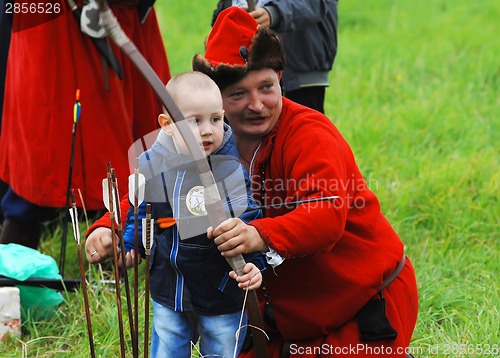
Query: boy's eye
x,y
216,119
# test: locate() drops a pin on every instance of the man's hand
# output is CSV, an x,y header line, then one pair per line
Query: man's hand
x,y
99,245
234,237
251,280
99,248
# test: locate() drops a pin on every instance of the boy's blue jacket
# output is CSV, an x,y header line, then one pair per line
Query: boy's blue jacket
x,y
185,265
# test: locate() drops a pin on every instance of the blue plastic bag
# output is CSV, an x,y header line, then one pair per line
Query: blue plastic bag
x,y
20,263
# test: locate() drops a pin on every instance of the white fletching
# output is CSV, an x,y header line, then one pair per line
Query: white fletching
x,y
131,188
74,224
105,198
105,193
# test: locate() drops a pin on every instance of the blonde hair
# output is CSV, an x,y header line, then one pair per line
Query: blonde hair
x,y
183,83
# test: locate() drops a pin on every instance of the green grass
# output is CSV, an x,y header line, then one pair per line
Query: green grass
x,y
415,90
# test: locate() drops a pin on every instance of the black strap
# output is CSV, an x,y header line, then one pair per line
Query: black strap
x,y
102,46
144,8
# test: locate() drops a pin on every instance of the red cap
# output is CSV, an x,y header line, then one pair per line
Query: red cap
x,y
237,45
233,29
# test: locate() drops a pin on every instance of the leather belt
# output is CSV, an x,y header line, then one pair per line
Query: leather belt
x,y
394,274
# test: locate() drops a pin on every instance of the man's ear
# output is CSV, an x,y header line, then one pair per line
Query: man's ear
x,y
165,123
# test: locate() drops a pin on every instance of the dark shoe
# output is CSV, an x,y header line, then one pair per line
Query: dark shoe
x,y
26,234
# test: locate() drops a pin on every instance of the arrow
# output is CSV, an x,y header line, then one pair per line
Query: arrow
x,y
106,183
147,237
76,233
136,188
116,198
107,194
164,223
77,110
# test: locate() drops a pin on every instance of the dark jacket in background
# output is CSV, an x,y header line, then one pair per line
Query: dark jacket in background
x,y
309,33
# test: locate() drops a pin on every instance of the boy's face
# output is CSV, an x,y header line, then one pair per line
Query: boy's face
x,y
204,113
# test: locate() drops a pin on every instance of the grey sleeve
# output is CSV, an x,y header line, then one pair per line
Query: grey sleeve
x,y
292,15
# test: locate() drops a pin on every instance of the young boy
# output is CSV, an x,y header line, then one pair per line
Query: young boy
x,y
189,277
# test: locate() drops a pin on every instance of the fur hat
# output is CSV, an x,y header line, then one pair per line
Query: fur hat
x,y
237,45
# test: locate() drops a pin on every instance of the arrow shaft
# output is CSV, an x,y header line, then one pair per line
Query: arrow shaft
x,y
86,302
76,234
147,248
119,230
115,261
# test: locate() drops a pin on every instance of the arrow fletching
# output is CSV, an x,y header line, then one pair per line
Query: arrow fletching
x,y
165,223
105,195
105,192
73,213
147,235
136,180
77,107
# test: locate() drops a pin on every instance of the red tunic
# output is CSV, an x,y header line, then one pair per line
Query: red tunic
x,y
337,255
47,63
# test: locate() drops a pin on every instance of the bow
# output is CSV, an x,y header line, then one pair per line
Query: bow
x,y
251,5
213,203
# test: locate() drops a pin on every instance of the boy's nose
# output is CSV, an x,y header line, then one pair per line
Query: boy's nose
x,y
205,129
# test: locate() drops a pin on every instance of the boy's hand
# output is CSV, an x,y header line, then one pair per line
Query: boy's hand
x,y
129,259
252,278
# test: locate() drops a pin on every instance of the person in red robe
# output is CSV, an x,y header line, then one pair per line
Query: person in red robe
x,y
50,58
340,284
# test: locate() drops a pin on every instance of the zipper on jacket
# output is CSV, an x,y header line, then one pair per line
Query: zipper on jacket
x,y
179,284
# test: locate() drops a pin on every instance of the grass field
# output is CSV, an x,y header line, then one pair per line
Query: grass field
x,y
415,90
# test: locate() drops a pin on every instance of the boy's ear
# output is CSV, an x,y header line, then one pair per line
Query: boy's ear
x,y
165,123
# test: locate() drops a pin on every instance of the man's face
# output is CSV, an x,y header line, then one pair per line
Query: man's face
x,y
253,105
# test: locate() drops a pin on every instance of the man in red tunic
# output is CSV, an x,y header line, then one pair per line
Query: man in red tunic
x,y
341,284
47,64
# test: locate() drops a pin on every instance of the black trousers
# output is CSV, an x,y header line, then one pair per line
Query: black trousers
x,y
312,97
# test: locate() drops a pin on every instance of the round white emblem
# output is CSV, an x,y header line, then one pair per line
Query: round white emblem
x,y
195,201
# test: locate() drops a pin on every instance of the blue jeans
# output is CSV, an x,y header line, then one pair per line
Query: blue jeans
x,y
173,335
